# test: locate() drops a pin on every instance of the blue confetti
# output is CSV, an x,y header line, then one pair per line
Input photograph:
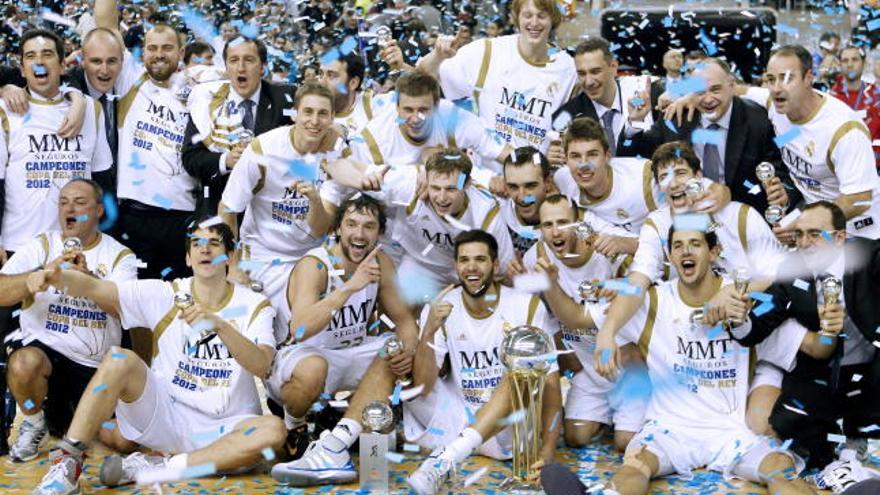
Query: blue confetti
x,y
111,212
529,199
165,271
606,356
471,417
436,431
234,312
200,470
108,425
300,331
303,171
118,355
706,136
220,259
760,296
250,430
395,398
462,178
786,138
763,309
691,221
28,404
99,388
162,201
82,218
348,45
714,332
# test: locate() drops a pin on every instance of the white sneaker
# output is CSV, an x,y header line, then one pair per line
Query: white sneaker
x,y
843,473
62,478
117,470
27,444
432,474
319,465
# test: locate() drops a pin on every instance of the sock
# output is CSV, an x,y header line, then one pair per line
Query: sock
x,y
178,461
37,419
292,422
463,446
346,431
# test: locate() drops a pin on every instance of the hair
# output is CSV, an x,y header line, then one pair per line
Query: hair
x,y
195,48
555,199
97,190
525,155
226,237
695,55
585,129
797,51
418,83
828,36
858,49
592,44
161,27
674,151
480,236
354,67
838,219
261,47
312,88
711,237
449,161
45,33
548,6
361,203
721,63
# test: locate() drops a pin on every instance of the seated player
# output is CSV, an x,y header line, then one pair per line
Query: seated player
x,y
198,401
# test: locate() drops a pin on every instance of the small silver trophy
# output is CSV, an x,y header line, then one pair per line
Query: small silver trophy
x,y
693,188
183,300
765,171
831,288
392,347
589,291
774,214
741,286
375,444
72,245
585,232
256,286
524,352
698,318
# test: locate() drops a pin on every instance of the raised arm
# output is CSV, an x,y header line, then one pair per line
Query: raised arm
x,y
78,284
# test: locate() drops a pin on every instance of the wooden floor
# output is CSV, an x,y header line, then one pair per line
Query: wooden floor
x,y
594,463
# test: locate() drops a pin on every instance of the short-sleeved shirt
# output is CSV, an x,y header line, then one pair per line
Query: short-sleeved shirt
x,y
74,326
200,373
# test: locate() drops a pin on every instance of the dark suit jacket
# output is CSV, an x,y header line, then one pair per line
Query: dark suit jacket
x,y
658,87
749,142
204,164
861,285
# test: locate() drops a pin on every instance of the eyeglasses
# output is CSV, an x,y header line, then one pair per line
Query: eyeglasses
x,y
815,234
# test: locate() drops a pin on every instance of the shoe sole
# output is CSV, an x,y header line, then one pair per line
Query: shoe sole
x,y
111,470
303,479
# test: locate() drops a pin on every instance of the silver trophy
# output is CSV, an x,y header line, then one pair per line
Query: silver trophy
x,y
524,352
585,232
72,245
765,171
183,300
774,214
375,444
244,138
383,36
392,347
831,288
693,188
741,286
698,318
589,291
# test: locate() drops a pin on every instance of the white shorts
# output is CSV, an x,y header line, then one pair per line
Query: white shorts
x,y
156,421
766,374
441,276
593,398
275,278
732,450
345,367
437,419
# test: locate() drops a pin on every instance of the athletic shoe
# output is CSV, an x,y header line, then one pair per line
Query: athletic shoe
x,y
859,445
117,470
321,464
297,441
27,445
431,475
843,473
63,475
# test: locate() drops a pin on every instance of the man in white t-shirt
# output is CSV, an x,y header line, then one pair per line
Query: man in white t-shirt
x,y
465,406
353,107
699,377
334,291
197,401
279,185
515,83
63,338
35,161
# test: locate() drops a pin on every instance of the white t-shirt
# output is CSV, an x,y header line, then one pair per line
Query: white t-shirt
x,y
36,163
274,225
473,344
204,376
828,155
428,237
745,238
152,122
74,326
633,195
513,97
384,141
367,105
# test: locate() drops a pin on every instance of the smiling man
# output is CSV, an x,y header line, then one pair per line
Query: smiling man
x,y
63,338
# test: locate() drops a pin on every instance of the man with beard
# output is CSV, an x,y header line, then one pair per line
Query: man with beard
x,y
226,115
155,192
860,96
333,292
818,392
354,107
467,393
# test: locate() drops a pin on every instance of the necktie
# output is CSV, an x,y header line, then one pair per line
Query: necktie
x,y
110,123
608,124
713,167
247,119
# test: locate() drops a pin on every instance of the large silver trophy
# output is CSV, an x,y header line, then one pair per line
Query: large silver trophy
x,y
525,352
392,347
831,288
375,443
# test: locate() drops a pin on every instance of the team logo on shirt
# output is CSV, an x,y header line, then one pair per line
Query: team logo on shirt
x,y
101,271
552,88
622,214
810,148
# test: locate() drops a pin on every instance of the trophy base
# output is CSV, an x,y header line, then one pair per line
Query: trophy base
x,y
519,487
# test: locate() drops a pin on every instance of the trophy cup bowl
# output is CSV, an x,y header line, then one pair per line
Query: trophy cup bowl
x,y
831,287
524,352
588,291
256,286
765,171
72,245
693,188
183,299
774,214
378,417
697,319
585,232
392,347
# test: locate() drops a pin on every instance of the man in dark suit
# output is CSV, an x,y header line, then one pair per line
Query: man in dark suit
x,y
729,134
214,138
819,392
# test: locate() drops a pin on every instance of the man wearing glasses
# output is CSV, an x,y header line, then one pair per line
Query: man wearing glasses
x,y
818,392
